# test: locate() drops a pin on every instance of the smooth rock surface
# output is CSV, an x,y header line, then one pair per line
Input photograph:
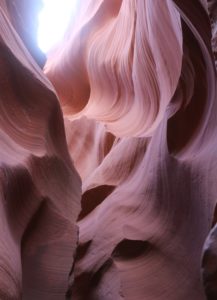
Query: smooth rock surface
x,y
128,102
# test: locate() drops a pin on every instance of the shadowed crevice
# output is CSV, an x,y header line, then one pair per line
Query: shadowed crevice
x,y
93,198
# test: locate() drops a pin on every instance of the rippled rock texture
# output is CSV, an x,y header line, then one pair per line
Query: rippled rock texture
x,y
39,187
133,104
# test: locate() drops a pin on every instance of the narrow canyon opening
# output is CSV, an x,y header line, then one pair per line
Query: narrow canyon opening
x,y
53,19
108,150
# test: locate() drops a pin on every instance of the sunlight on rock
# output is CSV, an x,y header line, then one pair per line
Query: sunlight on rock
x,y
53,21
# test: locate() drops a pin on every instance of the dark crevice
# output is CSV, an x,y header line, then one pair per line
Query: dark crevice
x,y
129,249
183,125
94,197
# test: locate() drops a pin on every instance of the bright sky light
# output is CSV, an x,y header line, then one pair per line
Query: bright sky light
x,y
53,21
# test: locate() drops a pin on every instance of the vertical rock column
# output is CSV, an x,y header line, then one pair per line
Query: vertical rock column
x,y
39,187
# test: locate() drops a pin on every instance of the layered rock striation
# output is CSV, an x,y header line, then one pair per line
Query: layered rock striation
x,y
39,187
128,102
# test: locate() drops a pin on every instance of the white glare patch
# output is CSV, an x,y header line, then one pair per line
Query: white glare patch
x,y
53,21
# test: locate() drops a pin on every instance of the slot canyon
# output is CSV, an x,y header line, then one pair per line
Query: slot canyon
x,y
108,150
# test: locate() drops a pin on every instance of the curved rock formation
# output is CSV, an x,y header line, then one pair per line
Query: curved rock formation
x,y
39,187
116,65
136,83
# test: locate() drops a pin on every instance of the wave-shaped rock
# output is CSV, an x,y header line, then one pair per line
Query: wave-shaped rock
x,y
136,83
39,187
117,65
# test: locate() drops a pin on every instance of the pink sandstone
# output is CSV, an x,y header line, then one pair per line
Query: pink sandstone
x,y
108,155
